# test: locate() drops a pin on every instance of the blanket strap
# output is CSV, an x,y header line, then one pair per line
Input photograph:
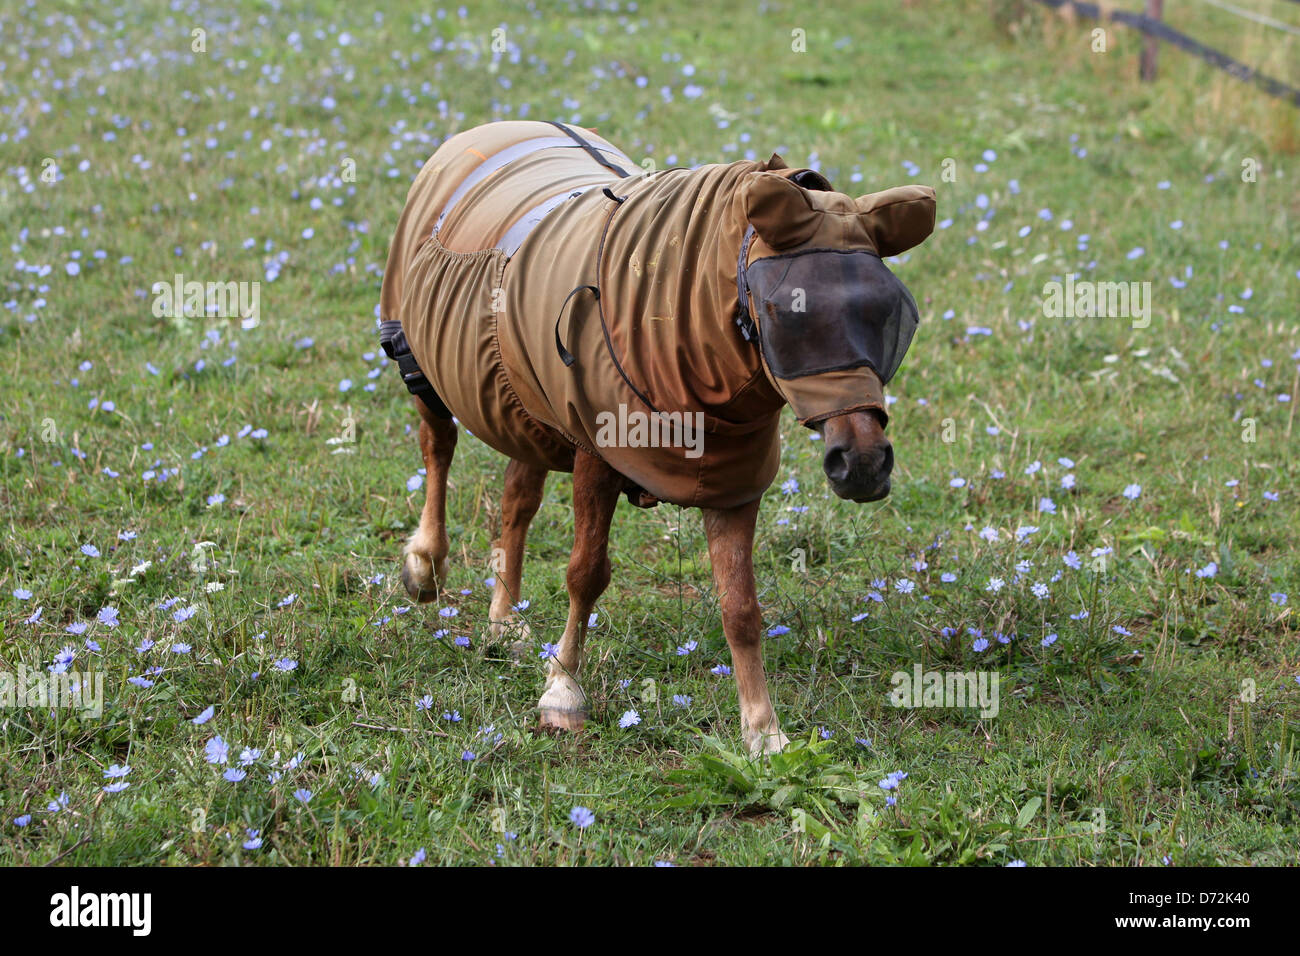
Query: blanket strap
x,y
600,309
592,151
565,355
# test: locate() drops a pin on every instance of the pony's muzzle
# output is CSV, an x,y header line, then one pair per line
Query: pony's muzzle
x,y
859,458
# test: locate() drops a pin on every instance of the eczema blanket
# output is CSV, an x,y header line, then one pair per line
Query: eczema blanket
x,y
557,297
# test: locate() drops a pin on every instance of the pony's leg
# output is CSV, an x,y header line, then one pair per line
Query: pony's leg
x,y
596,488
519,502
731,551
424,559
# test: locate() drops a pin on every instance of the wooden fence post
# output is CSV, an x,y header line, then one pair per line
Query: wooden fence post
x,y
1155,8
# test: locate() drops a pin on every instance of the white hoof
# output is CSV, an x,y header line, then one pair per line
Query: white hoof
x,y
563,704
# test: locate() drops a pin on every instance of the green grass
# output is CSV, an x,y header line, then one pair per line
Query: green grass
x,y
1109,748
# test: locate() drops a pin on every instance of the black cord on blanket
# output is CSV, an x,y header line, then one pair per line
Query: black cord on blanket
x,y
565,355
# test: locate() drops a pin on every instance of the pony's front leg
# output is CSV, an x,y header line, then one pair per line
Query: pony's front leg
x,y
731,550
596,488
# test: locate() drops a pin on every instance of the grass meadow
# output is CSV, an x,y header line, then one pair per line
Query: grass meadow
x,y
208,517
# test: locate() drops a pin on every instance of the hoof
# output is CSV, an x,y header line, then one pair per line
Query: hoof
x,y
562,719
760,745
420,578
563,705
511,629
517,651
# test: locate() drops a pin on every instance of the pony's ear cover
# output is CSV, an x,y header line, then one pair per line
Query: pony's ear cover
x,y
898,218
779,210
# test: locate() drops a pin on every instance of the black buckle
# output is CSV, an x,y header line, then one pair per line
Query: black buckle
x,y
744,321
392,339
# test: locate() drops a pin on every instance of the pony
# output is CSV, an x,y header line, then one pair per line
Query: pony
x,y
641,330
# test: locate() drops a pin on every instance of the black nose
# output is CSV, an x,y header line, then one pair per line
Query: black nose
x,y
861,474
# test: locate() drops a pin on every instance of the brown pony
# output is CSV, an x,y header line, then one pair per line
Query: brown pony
x,y
536,291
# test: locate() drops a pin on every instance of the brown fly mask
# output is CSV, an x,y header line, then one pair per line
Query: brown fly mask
x,y
832,321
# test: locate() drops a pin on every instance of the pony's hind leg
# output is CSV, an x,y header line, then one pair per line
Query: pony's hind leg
x,y
424,564
519,503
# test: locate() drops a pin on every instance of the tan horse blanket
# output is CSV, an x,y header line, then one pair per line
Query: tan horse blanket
x,y
553,302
